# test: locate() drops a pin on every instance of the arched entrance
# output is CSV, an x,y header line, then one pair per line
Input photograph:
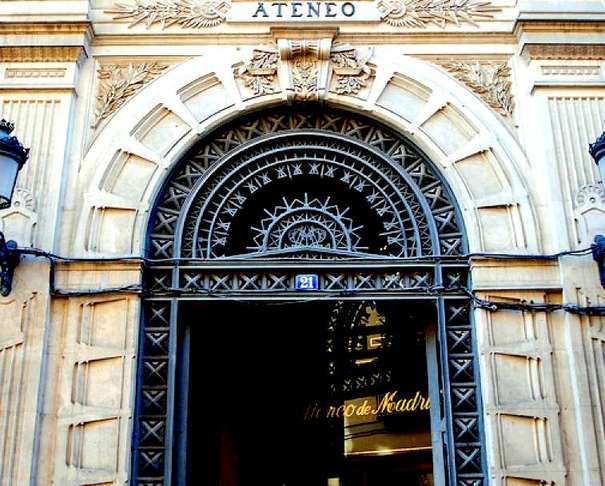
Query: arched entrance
x,y
306,190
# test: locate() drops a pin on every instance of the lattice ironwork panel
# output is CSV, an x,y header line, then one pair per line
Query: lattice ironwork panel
x,y
275,188
393,279
464,412
152,408
224,174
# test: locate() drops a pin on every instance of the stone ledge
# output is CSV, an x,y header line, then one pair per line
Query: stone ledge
x,y
504,274
85,276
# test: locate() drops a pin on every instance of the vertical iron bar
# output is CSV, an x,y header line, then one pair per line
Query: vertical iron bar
x,y
447,393
170,397
434,387
182,406
140,354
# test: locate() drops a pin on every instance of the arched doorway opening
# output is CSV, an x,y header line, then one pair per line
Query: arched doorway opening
x,y
328,195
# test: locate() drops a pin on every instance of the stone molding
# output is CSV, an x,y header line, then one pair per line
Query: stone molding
x,y
15,73
564,52
50,28
42,54
491,81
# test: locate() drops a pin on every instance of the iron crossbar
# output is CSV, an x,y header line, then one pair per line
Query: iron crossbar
x,y
415,279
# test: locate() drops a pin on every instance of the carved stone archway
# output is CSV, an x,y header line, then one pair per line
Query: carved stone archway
x,y
326,191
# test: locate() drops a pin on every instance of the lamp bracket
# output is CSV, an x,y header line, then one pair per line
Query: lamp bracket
x,y
598,253
9,259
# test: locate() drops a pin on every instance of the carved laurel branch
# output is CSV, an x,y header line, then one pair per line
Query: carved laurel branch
x,y
260,71
352,71
186,13
491,81
119,83
420,13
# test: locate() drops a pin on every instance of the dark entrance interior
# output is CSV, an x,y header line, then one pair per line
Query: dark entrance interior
x,y
305,394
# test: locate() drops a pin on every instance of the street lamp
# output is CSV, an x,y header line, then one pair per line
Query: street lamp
x,y
597,150
12,159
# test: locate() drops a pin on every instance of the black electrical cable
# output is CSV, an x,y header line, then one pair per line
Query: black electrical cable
x,y
134,258
435,291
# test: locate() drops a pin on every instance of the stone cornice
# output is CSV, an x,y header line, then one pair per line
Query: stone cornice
x,y
42,11
564,52
44,42
29,28
42,54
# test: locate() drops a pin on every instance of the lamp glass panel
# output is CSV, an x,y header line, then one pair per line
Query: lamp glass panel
x,y
8,176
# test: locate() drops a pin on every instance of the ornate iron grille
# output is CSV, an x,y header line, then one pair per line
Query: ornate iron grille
x,y
304,189
294,154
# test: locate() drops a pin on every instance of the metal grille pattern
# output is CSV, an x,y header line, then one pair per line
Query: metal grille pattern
x,y
223,175
408,198
462,401
152,404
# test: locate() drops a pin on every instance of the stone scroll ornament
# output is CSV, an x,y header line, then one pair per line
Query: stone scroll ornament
x,y
186,13
421,13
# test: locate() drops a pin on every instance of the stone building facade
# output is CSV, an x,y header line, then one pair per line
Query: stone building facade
x,y
502,96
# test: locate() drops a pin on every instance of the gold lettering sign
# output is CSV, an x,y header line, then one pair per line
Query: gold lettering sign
x,y
389,404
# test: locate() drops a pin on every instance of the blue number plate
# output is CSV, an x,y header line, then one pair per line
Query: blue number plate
x,y
306,282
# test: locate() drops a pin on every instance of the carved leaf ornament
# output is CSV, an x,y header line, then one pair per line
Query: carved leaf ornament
x,y
490,81
119,83
420,13
260,71
186,13
351,68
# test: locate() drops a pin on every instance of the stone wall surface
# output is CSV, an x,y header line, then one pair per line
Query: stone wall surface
x,y
505,107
